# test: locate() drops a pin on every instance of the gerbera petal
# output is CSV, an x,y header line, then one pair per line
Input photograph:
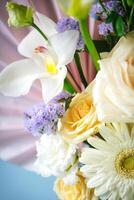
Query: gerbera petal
x,y
95,155
30,42
99,144
125,132
53,85
96,181
64,45
107,134
17,78
46,24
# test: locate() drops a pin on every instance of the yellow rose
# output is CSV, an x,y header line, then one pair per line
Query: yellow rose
x,y
73,192
80,120
113,92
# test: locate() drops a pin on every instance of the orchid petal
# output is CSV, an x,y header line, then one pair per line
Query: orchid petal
x,y
46,24
16,79
64,45
51,86
30,42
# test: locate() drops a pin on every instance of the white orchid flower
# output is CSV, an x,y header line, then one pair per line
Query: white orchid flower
x,y
46,61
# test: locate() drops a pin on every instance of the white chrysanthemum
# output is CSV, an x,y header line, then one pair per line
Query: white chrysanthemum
x,y
109,166
56,157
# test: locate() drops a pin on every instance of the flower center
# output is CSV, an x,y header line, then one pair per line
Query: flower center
x,y
124,163
50,65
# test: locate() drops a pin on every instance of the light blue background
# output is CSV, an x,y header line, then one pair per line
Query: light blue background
x,y
19,184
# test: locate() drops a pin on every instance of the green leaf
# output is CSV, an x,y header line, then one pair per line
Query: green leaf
x,y
119,26
130,2
68,87
67,102
111,18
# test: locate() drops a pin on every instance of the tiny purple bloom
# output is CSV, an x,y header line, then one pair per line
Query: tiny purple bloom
x,y
43,118
115,6
105,29
95,10
62,95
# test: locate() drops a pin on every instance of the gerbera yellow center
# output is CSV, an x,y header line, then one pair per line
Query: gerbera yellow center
x,y
50,65
124,163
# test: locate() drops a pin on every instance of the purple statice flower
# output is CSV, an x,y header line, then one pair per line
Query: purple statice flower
x,y
116,6
43,118
68,23
104,29
62,95
110,5
95,10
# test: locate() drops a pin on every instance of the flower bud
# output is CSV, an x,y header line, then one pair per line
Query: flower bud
x,y
19,15
76,8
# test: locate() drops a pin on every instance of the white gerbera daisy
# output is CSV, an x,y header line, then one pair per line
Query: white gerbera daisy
x,y
109,166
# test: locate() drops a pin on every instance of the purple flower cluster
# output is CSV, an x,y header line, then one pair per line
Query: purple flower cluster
x,y
105,29
61,96
43,118
98,12
115,6
110,5
95,10
68,23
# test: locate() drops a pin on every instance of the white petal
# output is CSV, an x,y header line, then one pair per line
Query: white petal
x,y
30,42
46,24
53,85
96,181
64,45
107,134
90,155
71,178
17,78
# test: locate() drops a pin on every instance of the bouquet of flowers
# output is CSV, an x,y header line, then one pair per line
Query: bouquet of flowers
x,y
85,139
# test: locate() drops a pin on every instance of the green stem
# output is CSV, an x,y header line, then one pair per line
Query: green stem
x,y
103,7
39,30
68,87
89,43
124,5
82,77
130,18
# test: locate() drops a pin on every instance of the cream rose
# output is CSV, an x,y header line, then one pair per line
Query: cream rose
x,y
78,191
80,120
113,92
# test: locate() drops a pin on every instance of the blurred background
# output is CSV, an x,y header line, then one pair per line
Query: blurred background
x,y
17,146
